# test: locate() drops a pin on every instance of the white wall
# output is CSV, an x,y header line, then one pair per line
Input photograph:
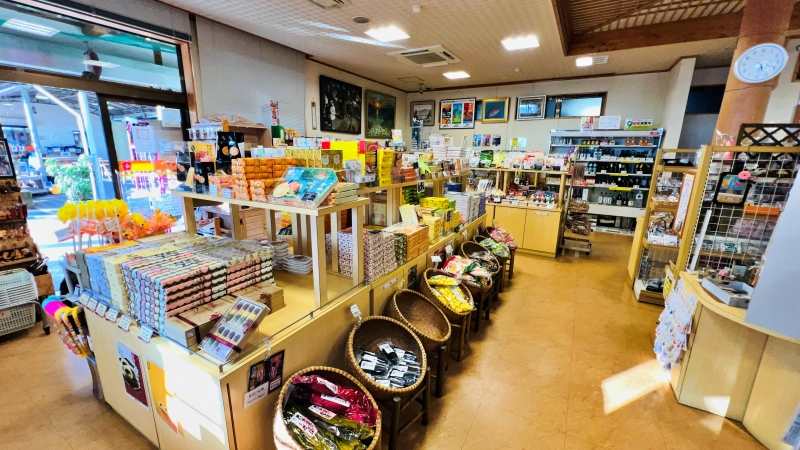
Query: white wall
x,y
630,96
314,70
680,80
784,98
710,77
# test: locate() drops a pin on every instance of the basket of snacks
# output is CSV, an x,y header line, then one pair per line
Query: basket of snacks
x,y
424,318
324,407
386,357
454,300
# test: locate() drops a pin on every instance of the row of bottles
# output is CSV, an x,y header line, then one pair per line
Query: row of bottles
x,y
606,154
610,180
643,169
628,199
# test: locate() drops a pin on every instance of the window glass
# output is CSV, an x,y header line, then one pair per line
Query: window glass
x,y
36,39
550,108
705,99
580,107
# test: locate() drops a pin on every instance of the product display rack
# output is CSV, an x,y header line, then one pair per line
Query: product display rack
x,y
650,260
606,158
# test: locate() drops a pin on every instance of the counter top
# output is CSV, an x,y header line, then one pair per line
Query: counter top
x,y
729,312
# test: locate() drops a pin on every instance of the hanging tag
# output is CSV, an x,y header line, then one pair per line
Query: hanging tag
x,y
112,315
101,309
125,323
436,258
92,304
355,311
65,234
464,233
145,334
449,249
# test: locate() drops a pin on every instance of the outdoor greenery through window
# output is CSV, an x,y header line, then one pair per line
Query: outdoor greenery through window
x,y
578,105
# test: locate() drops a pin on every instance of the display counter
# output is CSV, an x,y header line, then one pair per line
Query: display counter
x,y
734,369
535,229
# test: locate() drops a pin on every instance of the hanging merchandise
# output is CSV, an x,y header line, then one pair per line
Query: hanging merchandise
x,y
674,325
70,325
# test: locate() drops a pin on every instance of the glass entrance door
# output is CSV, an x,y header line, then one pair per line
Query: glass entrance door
x,y
144,138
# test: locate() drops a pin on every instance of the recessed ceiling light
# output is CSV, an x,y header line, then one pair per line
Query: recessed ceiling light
x,y
91,62
27,27
520,43
456,75
583,61
361,19
387,34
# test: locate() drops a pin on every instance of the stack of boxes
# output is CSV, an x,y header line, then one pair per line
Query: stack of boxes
x,y
342,193
254,178
247,262
379,253
468,204
410,241
385,162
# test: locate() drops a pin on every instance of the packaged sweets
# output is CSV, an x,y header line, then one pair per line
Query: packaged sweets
x,y
450,294
350,403
393,367
305,432
498,248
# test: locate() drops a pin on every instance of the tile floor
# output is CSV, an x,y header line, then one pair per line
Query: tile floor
x,y
532,379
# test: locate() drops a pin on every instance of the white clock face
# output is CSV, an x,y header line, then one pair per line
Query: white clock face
x,y
760,63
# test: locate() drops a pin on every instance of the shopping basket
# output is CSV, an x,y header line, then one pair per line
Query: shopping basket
x,y
18,302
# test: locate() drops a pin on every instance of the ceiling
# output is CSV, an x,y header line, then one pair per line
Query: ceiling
x,y
470,30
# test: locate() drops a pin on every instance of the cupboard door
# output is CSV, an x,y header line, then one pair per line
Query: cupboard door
x,y
512,220
541,231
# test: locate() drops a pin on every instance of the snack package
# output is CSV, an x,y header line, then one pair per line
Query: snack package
x,y
350,403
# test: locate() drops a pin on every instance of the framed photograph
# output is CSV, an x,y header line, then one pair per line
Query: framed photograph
x,y
341,106
380,114
531,107
6,163
457,113
479,110
495,110
424,111
731,190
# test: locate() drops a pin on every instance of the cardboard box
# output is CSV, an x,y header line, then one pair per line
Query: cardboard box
x,y
190,327
266,293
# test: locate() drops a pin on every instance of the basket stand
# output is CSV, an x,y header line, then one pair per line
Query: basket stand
x,y
461,328
397,405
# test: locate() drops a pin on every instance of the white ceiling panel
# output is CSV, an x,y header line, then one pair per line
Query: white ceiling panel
x,y
471,30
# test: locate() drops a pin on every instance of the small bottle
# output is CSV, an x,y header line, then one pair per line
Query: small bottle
x,y
619,200
639,200
628,200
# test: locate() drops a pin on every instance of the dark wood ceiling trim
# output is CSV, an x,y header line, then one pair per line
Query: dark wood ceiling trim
x,y
356,75
700,29
563,13
794,23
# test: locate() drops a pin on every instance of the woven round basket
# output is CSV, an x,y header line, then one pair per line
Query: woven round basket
x,y
424,318
376,330
500,259
427,291
281,434
468,248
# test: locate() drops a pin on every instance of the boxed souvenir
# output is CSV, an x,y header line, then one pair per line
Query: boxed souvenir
x,y
303,187
190,327
229,336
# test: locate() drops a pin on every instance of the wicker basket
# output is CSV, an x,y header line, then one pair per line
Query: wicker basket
x,y
376,330
468,248
283,437
500,259
427,291
424,318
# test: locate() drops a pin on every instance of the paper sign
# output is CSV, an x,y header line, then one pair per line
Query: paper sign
x,y
92,304
436,259
587,124
65,234
112,314
112,224
227,193
449,249
101,309
145,334
170,118
638,124
355,311
792,436
256,395
213,190
609,122
101,228
83,299
125,322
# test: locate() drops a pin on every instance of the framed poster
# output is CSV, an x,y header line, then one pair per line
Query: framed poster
x,y
457,113
380,114
341,106
495,110
423,111
683,203
531,107
132,377
6,163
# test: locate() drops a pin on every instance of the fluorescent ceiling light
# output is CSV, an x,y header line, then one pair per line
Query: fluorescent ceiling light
x,y
583,61
8,104
456,75
387,34
91,62
27,27
520,43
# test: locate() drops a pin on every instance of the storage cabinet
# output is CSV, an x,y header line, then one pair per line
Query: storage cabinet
x,y
512,220
541,231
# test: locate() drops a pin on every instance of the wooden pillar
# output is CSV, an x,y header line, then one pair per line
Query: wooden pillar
x,y
764,21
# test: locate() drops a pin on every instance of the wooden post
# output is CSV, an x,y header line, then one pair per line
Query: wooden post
x,y
764,21
236,221
358,251
335,220
188,215
316,236
297,226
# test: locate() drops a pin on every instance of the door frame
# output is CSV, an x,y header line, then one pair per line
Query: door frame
x,y
105,116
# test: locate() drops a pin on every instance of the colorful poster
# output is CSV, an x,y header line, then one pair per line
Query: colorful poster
x,y
458,113
276,371
477,140
161,397
487,140
131,366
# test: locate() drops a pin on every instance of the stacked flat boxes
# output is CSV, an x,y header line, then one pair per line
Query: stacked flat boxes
x,y
467,204
247,262
385,162
168,283
254,178
379,254
410,240
346,247
105,277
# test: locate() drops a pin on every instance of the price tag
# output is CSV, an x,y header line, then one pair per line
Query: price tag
x,y
112,315
227,193
305,425
368,365
92,304
355,311
602,171
112,224
436,259
65,234
125,323
464,233
101,228
516,180
83,299
101,309
213,190
145,334
449,249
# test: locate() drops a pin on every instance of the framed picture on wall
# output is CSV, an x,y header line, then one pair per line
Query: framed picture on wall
x,y
531,107
457,113
495,110
424,111
380,114
6,163
479,110
341,106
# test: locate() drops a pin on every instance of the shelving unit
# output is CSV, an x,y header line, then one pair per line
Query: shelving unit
x,y
607,151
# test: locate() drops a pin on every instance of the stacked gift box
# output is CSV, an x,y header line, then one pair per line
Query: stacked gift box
x,y
410,241
467,203
254,178
386,160
246,262
342,193
379,254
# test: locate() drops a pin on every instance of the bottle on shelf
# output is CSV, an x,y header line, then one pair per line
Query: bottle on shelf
x,y
628,200
638,201
618,200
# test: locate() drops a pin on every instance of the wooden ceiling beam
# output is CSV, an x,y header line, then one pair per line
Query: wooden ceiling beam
x,y
690,30
794,23
563,13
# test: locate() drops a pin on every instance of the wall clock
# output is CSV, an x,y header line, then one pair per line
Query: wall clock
x,y
760,63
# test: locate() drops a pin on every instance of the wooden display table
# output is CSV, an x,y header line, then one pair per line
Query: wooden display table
x,y
737,370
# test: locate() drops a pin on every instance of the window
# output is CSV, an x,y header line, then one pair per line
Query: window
x,y
578,105
705,99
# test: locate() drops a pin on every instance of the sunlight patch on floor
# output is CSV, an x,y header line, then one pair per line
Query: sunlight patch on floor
x,y
628,386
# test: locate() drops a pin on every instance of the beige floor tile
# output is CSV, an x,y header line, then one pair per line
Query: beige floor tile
x,y
499,428
575,443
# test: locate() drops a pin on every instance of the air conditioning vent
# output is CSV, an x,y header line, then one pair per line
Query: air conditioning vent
x,y
328,4
599,60
426,57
